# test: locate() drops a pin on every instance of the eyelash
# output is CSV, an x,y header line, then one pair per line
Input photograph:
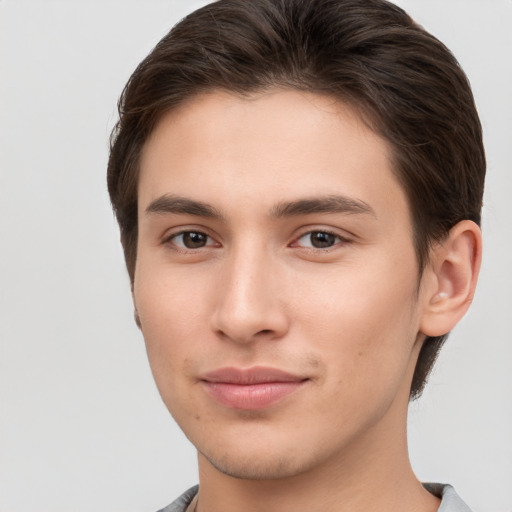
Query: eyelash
x,y
171,240
340,239
182,248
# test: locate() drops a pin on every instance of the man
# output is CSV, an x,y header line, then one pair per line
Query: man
x,y
298,186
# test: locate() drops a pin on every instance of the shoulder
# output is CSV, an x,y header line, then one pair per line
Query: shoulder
x,y
450,500
180,504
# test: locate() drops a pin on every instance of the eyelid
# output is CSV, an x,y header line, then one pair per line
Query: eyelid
x,y
168,238
342,238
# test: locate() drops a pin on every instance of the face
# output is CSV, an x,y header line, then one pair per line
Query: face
x,y
276,281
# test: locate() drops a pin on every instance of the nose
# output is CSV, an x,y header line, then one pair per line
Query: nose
x,y
249,303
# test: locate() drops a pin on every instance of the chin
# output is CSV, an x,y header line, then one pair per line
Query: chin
x,y
255,467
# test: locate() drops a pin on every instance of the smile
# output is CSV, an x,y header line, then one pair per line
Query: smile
x,y
250,389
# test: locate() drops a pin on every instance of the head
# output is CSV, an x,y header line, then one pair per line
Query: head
x,y
369,56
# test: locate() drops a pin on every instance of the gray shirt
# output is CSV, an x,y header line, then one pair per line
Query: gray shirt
x,y
450,500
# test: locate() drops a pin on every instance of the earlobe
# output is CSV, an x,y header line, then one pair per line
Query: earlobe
x,y
455,264
137,318
135,311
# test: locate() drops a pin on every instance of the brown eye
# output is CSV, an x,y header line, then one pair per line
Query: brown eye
x,y
319,240
191,240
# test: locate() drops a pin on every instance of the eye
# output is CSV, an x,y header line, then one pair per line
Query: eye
x,y
319,240
191,240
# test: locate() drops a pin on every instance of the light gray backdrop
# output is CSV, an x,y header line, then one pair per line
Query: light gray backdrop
x,y
82,427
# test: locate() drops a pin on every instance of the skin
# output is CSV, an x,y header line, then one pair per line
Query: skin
x,y
348,317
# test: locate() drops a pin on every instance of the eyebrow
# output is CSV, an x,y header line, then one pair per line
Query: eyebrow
x,y
328,204
172,204
182,205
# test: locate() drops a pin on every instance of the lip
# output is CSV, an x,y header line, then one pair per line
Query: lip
x,y
252,388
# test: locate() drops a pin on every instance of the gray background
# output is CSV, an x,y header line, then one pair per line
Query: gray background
x,y
81,425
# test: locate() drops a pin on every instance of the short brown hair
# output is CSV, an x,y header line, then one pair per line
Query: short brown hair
x,y
367,53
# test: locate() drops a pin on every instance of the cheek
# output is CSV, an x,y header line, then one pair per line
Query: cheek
x,y
167,301
364,321
366,342
171,318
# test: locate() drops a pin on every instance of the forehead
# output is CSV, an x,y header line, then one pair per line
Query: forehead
x,y
239,153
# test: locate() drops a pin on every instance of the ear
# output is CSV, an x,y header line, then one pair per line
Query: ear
x,y
453,274
135,311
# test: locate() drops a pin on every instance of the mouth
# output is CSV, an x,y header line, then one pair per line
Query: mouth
x,y
250,389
